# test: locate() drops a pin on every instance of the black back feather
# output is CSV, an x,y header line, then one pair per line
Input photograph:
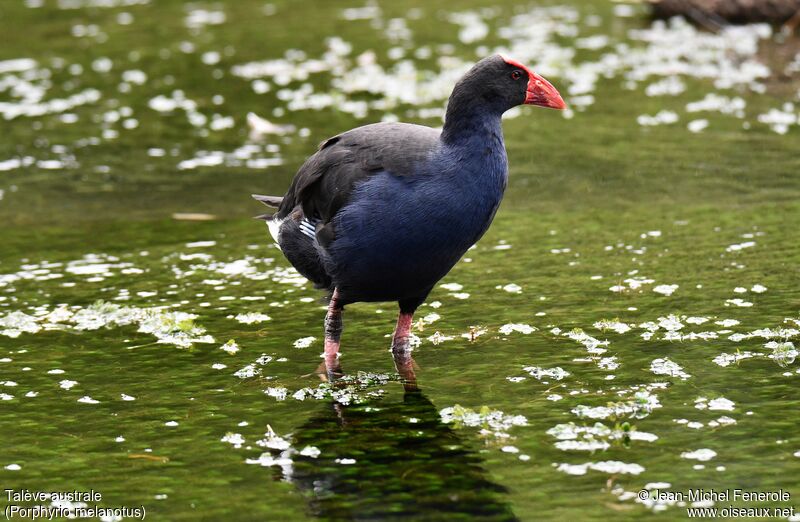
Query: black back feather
x,y
326,180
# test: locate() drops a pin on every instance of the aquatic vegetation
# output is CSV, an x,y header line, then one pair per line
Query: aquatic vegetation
x,y
696,425
252,318
740,246
310,451
661,118
597,437
582,445
640,406
230,347
430,318
278,393
492,423
720,403
665,289
634,283
280,451
507,329
697,125
351,389
168,327
17,322
273,441
592,345
439,338
556,373
782,353
667,367
615,326
304,342
725,359
255,368
702,455
607,466
235,439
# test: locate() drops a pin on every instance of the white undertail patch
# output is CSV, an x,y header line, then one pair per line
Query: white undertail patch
x,y
274,226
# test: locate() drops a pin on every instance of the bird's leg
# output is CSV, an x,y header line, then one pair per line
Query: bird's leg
x,y
401,350
402,332
333,332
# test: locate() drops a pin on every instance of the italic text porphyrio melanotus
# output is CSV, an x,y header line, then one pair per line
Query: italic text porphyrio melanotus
x,y
383,212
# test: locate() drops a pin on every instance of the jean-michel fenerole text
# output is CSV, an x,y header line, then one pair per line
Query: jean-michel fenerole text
x,y
722,495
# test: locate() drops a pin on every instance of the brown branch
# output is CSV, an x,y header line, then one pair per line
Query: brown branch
x,y
733,11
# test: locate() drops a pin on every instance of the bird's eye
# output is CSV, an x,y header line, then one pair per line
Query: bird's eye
x,y
516,75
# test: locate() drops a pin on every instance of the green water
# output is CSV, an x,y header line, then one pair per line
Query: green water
x,y
592,200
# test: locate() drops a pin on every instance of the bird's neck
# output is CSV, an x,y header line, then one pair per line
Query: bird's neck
x,y
469,119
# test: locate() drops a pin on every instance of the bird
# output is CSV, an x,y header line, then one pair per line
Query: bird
x,y
382,212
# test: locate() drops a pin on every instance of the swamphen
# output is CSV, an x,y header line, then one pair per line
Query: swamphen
x,y
383,212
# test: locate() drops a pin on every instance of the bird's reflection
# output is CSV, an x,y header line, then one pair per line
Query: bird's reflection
x,y
393,460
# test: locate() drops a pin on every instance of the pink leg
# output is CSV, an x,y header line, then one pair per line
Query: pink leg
x,y
333,333
401,351
402,332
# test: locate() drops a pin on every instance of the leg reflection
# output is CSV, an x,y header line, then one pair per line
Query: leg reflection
x,y
392,460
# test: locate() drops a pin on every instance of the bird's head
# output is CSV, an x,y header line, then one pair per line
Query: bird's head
x,y
504,83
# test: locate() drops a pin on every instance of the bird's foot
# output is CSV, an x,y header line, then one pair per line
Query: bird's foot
x,y
401,351
331,374
333,369
404,362
333,332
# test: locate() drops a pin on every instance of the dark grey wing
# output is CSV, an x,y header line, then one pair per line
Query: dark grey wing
x,y
326,180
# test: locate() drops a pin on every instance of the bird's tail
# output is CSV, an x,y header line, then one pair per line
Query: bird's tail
x,y
270,201
298,243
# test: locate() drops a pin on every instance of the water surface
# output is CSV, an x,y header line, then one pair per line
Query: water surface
x,y
626,324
